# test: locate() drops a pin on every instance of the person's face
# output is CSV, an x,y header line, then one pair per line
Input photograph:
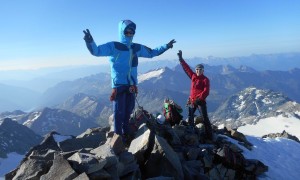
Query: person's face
x,y
199,71
129,33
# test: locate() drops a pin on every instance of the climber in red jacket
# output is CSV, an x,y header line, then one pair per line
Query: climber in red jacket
x,y
198,93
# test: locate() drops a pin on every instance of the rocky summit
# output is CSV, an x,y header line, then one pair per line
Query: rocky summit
x,y
155,151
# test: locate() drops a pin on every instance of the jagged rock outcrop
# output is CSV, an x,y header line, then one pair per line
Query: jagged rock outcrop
x,y
156,152
283,134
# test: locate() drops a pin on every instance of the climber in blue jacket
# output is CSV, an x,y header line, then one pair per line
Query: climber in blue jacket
x,y
123,57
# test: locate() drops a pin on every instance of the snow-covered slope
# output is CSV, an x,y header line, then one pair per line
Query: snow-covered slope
x,y
273,125
281,155
151,74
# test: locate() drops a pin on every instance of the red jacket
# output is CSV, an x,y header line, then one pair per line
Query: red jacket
x,y
200,84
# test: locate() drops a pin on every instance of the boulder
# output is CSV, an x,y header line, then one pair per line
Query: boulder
x,y
60,168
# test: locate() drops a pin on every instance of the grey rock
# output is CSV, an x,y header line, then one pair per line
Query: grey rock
x,y
116,144
126,157
193,153
128,163
48,156
161,178
141,143
221,172
113,171
93,131
102,174
48,143
165,160
283,134
60,169
82,176
105,152
193,169
91,141
125,169
31,169
84,162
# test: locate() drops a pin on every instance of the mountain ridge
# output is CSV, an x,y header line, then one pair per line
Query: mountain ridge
x,y
252,104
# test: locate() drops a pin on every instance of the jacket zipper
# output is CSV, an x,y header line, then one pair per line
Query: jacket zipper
x,y
130,64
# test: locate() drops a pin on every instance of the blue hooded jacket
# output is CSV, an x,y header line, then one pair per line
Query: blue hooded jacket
x,y
124,55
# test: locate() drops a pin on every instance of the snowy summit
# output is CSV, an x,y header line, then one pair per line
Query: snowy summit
x,y
149,75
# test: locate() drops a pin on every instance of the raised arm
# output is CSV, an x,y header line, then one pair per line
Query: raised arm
x,y
147,52
101,50
184,65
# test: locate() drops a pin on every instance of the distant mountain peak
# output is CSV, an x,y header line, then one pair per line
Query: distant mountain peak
x,y
58,120
227,69
151,74
244,68
250,105
16,137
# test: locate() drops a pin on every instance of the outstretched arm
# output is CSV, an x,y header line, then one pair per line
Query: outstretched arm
x,y
184,65
170,44
180,55
150,53
88,38
101,50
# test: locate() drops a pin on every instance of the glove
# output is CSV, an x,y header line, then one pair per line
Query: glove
x,y
113,94
170,44
180,55
87,36
133,89
189,103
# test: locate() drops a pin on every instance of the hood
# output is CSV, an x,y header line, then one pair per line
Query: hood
x,y
123,25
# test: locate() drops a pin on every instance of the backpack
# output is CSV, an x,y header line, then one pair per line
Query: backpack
x,y
172,112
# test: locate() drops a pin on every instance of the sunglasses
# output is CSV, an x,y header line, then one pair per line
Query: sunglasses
x,y
199,69
129,33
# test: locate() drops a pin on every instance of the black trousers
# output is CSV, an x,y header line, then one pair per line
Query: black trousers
x,y
203,110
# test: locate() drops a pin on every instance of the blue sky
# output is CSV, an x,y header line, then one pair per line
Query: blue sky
x,y
45,33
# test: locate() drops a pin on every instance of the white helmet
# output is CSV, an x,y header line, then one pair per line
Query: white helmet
x,y
160,119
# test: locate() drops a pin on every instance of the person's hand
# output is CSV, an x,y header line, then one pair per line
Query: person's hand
x,y
180,55
133,89
87,36
170,44
113,94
